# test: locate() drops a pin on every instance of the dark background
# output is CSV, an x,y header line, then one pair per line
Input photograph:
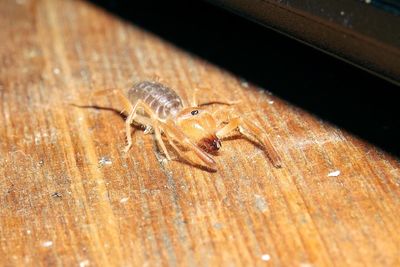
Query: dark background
x,y
331,89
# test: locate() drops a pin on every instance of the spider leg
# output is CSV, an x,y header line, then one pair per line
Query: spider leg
x,y
126,104
131,112
157,133
128,130
194,102
130,119
173,132
147,121
250,130
217,102
223,110
128,110
194,98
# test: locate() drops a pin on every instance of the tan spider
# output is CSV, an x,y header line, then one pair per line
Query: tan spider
x,y
159,108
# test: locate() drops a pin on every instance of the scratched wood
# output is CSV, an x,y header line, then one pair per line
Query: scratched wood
x,y
69,196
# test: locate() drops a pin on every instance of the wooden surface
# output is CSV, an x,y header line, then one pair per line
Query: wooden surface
x,y
68,196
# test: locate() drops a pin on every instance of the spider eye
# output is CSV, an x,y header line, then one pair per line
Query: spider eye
x,y
194,112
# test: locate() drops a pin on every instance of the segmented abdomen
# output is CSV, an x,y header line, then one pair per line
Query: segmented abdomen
x,y
161,99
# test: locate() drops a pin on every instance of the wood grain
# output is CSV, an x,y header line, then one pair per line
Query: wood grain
x,y
69,196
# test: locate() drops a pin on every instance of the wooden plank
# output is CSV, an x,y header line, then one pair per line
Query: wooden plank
x,y
70,196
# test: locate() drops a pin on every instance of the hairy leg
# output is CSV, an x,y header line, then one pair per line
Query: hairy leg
x,y
250,130
128,130
194,102
157,133
131,111
126,104
143,120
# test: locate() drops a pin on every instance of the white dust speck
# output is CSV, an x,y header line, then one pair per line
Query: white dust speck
x,y
28,232
334,174
56,71
270,102
84,263
260,203
244,84
342,13
38,137
123,200
47,244
105,161
368,1
266,257
217,226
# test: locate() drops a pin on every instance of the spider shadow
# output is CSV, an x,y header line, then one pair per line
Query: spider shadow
x,y
194,164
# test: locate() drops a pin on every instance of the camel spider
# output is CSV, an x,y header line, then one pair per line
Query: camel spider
x,y
160,109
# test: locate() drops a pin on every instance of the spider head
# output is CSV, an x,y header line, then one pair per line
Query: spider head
x,y
200,127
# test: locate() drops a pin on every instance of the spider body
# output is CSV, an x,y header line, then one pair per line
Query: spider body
x,y
193,127
162,100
